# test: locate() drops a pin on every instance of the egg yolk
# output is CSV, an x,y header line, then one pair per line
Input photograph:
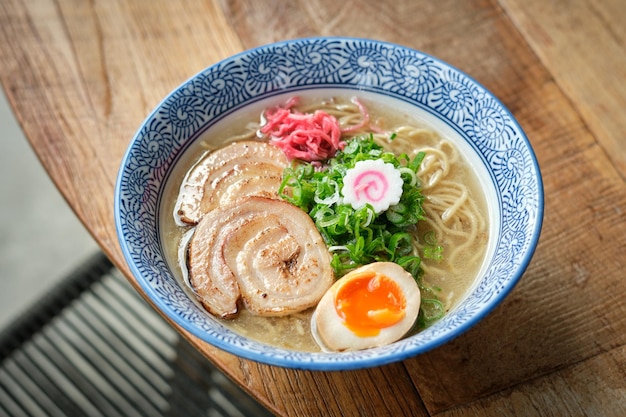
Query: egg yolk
x,y
369,302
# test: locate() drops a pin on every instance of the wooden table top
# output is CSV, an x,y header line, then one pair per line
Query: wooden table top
x,y
82,75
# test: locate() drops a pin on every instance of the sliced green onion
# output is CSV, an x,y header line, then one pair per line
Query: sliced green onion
x,y
358,236
330,191
417,161
431,310
406,172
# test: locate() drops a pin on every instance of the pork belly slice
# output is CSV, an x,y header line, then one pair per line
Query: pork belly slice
x,y
253,162
251,179
265,252
210,277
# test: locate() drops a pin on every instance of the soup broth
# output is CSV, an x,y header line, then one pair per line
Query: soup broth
x,y
452,240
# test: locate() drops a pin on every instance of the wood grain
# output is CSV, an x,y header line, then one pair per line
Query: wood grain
x,y
585,50
81,76
591,388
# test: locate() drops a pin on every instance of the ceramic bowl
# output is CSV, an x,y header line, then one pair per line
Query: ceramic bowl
x,y
451,101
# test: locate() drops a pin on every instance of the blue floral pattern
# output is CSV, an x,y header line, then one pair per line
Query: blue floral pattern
x,y
356,64
316,62
267,71
366,65
413,75
453,98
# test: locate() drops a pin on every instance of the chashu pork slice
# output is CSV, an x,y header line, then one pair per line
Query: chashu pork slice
x,y
265,252
260,179
254,166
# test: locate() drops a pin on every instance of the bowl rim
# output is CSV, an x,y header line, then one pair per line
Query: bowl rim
x,y
322,360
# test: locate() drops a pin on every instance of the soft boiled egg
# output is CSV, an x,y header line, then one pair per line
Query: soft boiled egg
x,y
371,306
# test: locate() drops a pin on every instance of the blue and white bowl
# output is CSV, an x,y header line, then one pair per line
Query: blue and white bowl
x,y
452,102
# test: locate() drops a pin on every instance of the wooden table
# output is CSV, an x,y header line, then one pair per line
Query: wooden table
x,y
82,75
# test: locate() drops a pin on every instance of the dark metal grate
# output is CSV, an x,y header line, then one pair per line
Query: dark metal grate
x,y
93,347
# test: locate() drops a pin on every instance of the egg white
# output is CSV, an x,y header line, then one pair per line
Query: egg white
x,y
332,334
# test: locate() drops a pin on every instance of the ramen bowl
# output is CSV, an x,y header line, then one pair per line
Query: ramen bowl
x,y
453,103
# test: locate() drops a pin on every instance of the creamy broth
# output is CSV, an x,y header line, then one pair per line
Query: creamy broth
x,y
454,203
